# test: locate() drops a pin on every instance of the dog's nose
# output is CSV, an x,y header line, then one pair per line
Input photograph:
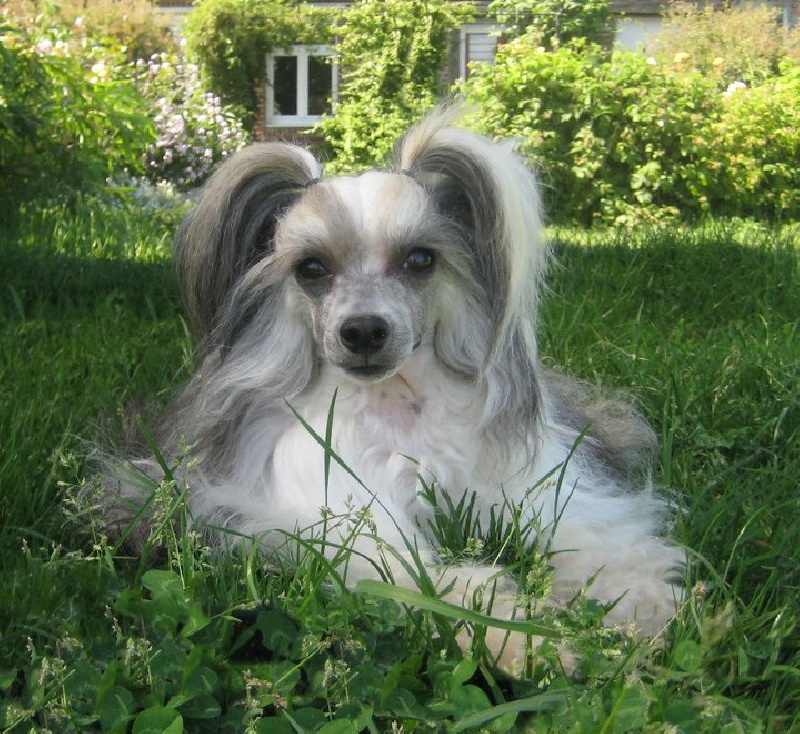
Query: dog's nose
x,y
364,334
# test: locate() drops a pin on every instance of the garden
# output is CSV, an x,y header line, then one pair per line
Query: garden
x,y
672,189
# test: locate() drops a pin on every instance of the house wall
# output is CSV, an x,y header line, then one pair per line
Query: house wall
x,y
637,31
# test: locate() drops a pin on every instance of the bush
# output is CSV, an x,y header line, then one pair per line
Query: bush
x,y
712,41
129,25
608,136
758,139
66,123
194,130
628,138
393,55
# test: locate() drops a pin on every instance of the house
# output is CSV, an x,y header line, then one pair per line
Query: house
x,y
302,79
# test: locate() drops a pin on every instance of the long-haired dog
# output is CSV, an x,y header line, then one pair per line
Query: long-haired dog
x,y
403,304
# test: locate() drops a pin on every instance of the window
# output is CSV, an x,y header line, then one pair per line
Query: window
x,y
478,44
301,84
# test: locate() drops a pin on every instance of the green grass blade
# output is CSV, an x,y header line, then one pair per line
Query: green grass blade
x,y
384,590
329,443
544,702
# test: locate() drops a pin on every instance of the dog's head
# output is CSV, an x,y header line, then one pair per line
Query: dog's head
x,y
364,256
443,250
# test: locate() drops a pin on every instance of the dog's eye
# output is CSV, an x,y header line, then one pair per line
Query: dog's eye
x,y
312,268
419,260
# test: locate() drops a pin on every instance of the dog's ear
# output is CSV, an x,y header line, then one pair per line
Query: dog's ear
x,y
486,190
233,225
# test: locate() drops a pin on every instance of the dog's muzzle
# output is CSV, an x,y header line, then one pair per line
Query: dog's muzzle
x,y
364,337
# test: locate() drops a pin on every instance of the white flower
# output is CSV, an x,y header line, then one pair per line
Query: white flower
x,y
733,87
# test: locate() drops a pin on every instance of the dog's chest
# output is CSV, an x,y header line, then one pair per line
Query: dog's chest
x,y
386,435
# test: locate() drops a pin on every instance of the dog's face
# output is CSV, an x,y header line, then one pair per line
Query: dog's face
x,y
283,273
363,258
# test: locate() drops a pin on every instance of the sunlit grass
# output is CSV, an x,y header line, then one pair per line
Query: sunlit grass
x,y
698,324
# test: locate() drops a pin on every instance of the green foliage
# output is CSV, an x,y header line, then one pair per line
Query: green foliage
x,y
710,40
754,150
230,40
67,121
700,323
609,136
132,26
629,138
553,23
392,54
195,130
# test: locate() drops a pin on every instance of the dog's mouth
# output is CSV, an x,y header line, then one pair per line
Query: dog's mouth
x,y
367,370
371,372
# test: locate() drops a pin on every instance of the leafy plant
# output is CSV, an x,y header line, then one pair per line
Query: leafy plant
x,y
230,40
610,137
133,26
756,169
66,124
392,54
553,23
195,131
628,138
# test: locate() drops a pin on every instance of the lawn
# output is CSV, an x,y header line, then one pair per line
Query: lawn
x,y
699,324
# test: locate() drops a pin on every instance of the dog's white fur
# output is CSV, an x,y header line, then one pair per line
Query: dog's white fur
x,y
411,296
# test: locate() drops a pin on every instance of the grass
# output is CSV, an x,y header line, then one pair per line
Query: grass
x,y
700,324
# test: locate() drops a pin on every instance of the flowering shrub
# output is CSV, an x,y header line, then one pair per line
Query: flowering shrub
x,y
129,27
744,43
626,138
194,130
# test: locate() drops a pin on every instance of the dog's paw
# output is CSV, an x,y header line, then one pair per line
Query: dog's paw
x,y
646,611
511,651
515,653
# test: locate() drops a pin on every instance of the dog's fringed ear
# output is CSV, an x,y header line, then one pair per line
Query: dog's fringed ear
x,y
487,191
233,225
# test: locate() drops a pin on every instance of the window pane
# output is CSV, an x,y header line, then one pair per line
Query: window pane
x,y
285,85
319,85
479,47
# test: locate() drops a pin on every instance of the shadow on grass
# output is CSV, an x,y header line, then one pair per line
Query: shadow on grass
x,y
54,285
699,279
79,338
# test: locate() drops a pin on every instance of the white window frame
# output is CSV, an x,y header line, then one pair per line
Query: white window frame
x,y
303,53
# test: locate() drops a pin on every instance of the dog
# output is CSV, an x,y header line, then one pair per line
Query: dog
x,y
363,337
